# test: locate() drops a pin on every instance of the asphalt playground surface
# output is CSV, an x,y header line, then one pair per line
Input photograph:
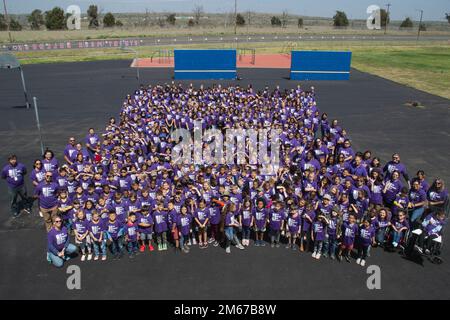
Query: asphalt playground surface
x,y
75,96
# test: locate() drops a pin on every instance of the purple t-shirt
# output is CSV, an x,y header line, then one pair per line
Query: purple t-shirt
x,y
47,193
319,230
113,228
202,214
366,235
184,224
57,240
276,218
160,218
260,217
294,223
131,230
349,232
14,175
81,226
145,219
246,217
96,228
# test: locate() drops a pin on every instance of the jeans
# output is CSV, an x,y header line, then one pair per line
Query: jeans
x,y
274,236
245,232
184,239
381,234
416,214
132,246
161,237
318,246
397,236
231,236
116,245
58,261
84,244
25,201
363,251
329,246
99,248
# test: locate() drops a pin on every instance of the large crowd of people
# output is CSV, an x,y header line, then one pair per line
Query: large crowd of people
x,y
121,191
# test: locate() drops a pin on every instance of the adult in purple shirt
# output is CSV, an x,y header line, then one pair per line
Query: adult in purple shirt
x,y
395,165
92,143
47,193
391,188
49,163
70,151
437,195
59,249
14,173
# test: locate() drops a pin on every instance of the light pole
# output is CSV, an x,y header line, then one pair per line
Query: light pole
x,y
136,58
235,16
387,18
420,24
7,21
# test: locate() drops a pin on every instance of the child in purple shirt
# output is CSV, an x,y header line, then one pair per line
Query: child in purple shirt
x,y
145,222
96,233
160,219
318,235
366,237
349,232
131,235
82,239
247,221
184,226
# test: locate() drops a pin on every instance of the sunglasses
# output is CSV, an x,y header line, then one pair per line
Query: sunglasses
x,y
58,221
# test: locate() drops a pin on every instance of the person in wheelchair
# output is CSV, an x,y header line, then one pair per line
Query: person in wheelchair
x,y
399,228
431,228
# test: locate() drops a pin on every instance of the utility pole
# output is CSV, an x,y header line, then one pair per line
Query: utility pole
x,y
387,18
420,24
235,16
7,21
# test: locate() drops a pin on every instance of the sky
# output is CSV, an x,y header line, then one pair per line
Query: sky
x,y
355,9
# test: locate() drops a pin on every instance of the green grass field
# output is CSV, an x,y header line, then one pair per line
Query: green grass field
x,y
425,66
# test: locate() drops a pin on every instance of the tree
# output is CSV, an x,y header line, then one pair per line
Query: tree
x,y
384,15
340,19
171,19
407,23
3,25
275,21
447,16
284,18
240,21
36,19
92,13
109,20
300,22
198,13
119,23
14,25
191,23
423,27
55,19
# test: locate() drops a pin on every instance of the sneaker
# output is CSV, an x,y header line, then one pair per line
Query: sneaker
x,y
164,246
394,244
288,246
27,210
358,261
314,254
262,243
272,245
325,255
150,247
294,247
347,258
103,258
159,247
95,258
332,257
339,257
142,248
211,240
215,244
194,241
277,245
83,257
131,256
318,256
240,246
89,256
185,250
201,246
205,245
257,244
228,250
363,263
